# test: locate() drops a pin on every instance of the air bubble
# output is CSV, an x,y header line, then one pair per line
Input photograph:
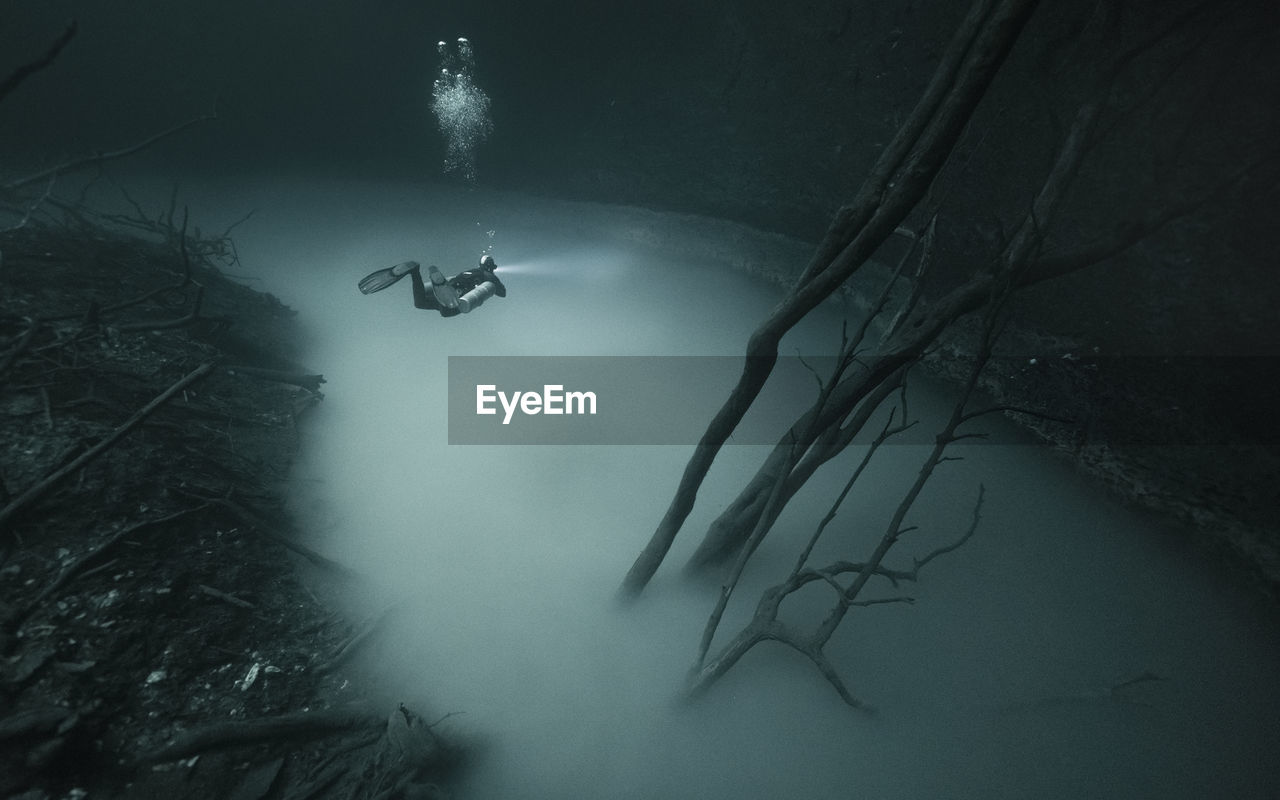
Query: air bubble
x,y
461,109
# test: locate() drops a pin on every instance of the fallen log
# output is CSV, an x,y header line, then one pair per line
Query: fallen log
x,y
298,725
309,382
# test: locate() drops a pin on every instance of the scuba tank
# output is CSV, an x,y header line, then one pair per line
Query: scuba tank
x,y
476,296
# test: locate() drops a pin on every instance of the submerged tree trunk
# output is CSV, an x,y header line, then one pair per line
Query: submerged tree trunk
x,y
896,185
866,390
729,530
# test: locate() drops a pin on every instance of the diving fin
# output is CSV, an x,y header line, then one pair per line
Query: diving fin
x,y
381,279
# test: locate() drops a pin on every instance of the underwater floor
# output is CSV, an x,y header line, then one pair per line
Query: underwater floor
x,y
503,560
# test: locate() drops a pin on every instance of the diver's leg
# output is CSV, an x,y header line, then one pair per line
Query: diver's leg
x,y
421,297
446,296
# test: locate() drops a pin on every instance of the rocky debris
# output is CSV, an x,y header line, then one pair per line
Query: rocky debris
x,y
151,587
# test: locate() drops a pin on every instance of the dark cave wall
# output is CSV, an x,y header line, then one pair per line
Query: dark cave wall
x,y
773,116
746,110
749,111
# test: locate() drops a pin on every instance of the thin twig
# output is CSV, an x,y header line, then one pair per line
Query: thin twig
x,y
48,57
24,341
882,601
968,534
224,597
48,412
917,281
356,641
166,324
226,235
887,431
31,208
263,527
1009,409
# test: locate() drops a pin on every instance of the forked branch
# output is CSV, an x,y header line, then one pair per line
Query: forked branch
x,y
765,624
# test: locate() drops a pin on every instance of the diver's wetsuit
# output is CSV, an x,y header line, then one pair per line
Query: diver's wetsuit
x,y
462,283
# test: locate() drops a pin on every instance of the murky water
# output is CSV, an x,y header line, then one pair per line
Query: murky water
x,y
503,560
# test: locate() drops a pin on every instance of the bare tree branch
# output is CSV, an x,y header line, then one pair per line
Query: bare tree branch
x,y
27,70
897,183
1127,235
32,206
958,543
728,530
765,625
102,158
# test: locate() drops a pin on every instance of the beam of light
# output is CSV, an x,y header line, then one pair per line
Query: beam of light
x,y
540,269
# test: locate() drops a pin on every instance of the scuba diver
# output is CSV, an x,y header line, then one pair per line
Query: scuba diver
x,y
453,296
